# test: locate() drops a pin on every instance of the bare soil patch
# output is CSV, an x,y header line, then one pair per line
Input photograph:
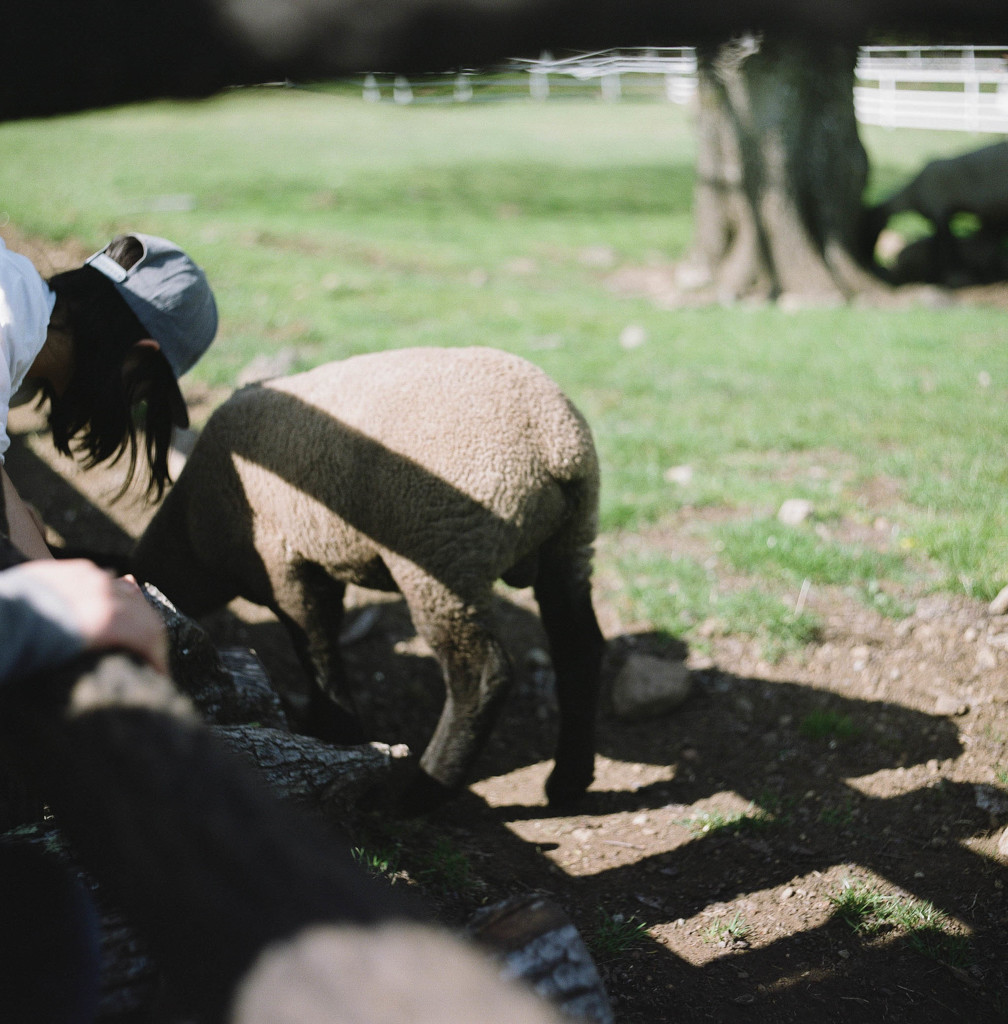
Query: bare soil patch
x,y
879,754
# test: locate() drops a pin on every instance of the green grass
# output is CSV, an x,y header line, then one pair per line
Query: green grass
x,y
867,910
329,226
732,822
446,869
734,929
381,863
825,724
614,934
676,594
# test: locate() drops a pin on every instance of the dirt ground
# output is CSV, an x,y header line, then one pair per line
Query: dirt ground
x,y
879,755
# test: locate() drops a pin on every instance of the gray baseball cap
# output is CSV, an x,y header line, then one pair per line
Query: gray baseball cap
x,y
170,296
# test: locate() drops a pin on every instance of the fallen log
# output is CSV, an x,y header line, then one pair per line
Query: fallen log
x,y
233,694
309,771
240,895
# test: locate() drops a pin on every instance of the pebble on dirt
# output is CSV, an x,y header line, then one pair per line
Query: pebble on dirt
x,y
647,687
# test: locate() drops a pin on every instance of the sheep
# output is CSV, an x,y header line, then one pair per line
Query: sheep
x,y
431,471
974,182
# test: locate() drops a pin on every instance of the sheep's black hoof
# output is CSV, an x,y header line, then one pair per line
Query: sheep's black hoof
x,y
566,788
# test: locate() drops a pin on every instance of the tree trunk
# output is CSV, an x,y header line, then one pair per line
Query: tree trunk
x,y
780,172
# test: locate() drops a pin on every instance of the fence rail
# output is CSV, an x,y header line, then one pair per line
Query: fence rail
x,y
958,88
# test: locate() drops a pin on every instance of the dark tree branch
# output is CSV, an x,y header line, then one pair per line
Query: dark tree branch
x,y
67,57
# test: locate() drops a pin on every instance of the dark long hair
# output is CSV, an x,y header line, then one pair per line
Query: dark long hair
x,y
115,387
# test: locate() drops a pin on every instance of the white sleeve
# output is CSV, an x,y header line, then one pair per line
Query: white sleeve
x,y
26,303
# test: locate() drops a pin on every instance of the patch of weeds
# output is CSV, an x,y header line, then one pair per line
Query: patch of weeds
x,y
446,868
382,863
840,815
708,822
951,948
866,910
735,929
994,735
769,548
673,594
781,629
678,594
614,935
875,596
1001,774
826,724
775,807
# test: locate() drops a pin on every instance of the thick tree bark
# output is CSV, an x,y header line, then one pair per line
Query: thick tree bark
x,y
780,171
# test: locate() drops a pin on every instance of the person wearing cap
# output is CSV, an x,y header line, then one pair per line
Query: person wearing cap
x,y
102,342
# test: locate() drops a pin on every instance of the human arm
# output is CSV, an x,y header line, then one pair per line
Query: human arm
x,y
26,530
52,610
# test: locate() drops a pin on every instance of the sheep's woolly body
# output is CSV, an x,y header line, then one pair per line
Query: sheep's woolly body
x,y
388,439
434,471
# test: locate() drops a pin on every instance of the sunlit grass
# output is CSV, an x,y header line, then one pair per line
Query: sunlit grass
x,y
867,910
330,227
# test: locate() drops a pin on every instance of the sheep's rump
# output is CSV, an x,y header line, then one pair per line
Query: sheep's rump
x,y
412,451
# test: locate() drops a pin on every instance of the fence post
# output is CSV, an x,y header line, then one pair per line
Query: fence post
x,y
463,88
401,90
372,94
971,99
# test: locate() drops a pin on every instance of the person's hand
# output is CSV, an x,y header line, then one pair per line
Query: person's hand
x,y
109,611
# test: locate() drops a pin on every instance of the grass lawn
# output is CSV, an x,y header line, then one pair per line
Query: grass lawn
x,y
330,226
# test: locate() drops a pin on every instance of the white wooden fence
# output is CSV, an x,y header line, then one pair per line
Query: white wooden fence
x,y
955,88
958,88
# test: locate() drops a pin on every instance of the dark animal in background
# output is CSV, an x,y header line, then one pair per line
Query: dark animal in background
x,y
975,183
433,472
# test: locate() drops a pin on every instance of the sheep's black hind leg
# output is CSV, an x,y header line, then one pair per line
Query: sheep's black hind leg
x,y
577,646
310,604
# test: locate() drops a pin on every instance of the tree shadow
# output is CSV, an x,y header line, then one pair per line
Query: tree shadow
x,y
793,753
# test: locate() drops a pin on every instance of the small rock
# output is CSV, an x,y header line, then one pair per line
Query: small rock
x,y
647,687
999,606
794,511
991,799
946,704
681,475
632,336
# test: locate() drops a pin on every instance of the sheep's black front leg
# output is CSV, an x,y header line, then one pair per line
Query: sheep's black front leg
x,y
577,647
310,604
